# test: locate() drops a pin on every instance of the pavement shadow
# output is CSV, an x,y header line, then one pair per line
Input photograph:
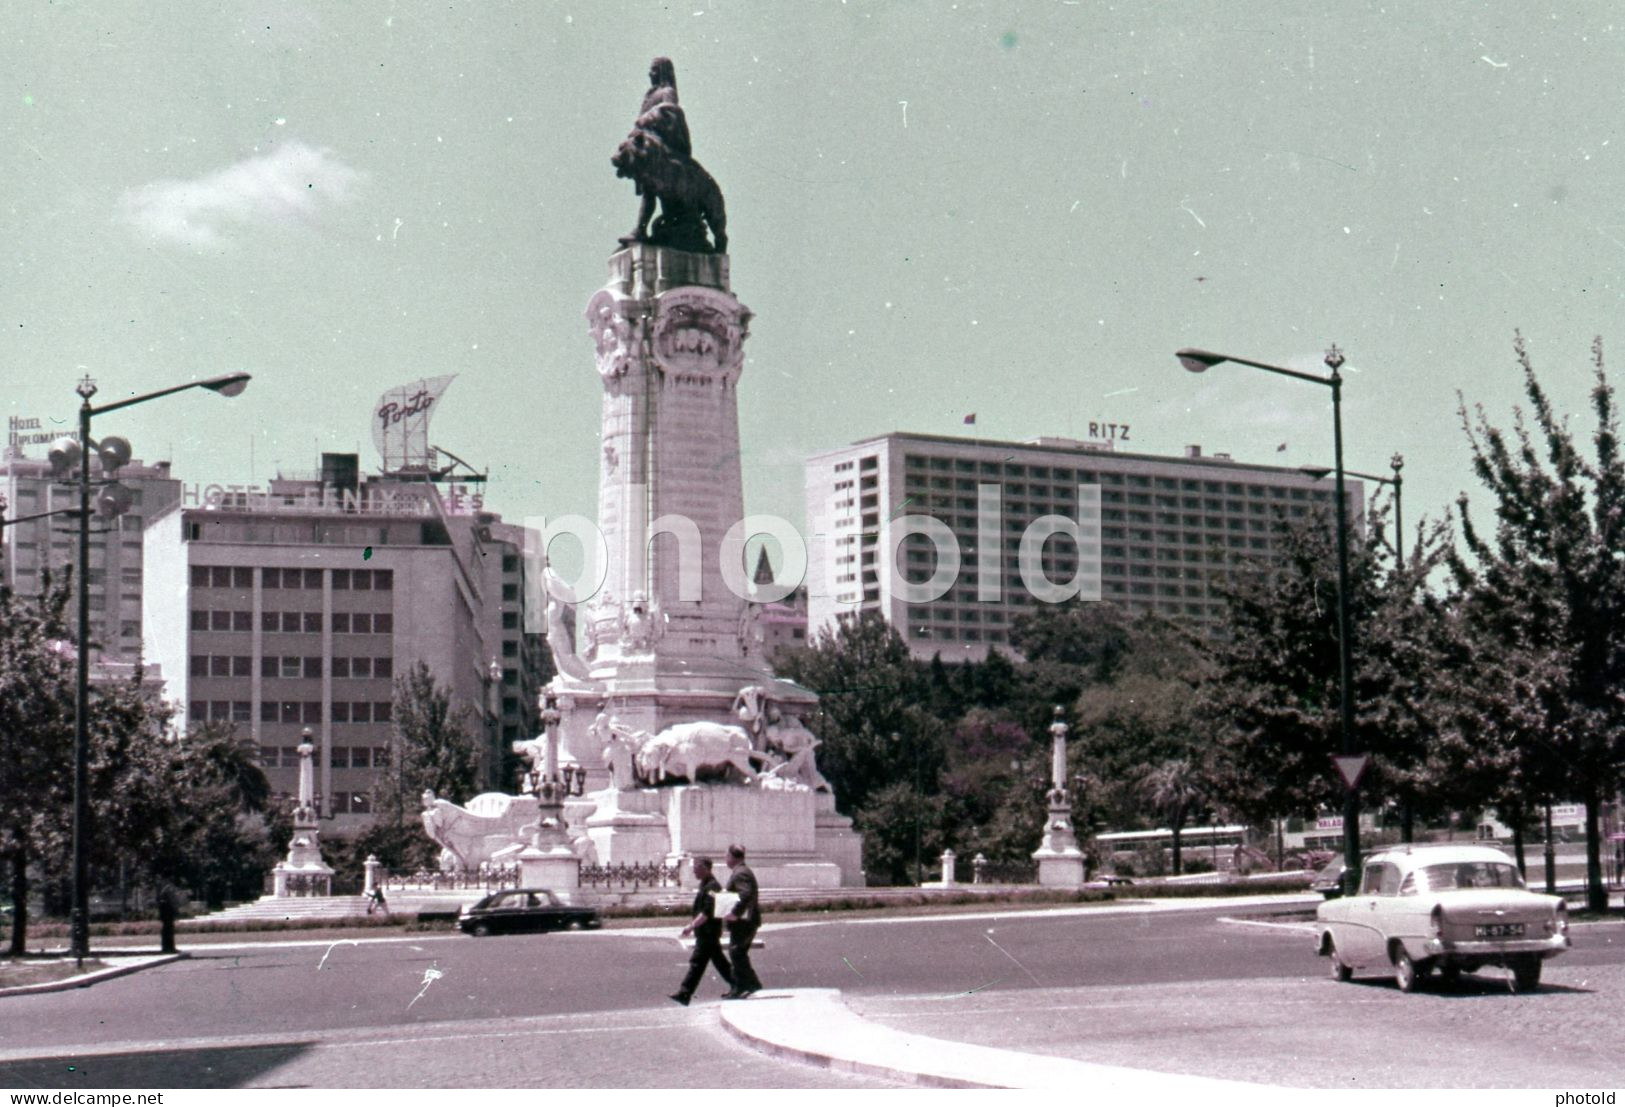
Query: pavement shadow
x,y
1471,986
222,1067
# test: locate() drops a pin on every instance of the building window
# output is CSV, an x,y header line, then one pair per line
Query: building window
x,y
341,668
341,711
200,620
383,623
381,712
313,622
383,580
361,580
341,622
360,712
341,580
360,623
383,668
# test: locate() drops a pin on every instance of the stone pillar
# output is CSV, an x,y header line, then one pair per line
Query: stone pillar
x,y
304,872
549,862
948,868
1060,861
374,876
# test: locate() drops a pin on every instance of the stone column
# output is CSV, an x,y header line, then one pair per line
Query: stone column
x,y
1060,861
304,872
549,862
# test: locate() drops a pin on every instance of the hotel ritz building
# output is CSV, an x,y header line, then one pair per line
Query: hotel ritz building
x,y
295,607
1158,533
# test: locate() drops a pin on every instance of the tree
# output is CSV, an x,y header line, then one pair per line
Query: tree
x,y
1274,689
432,748
1174,788
868,691
36,734
1550,588
1146,716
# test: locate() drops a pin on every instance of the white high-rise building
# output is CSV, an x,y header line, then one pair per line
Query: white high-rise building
x,y
1168,529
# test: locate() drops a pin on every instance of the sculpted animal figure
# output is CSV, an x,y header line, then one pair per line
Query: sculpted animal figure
x,y
689,749
690,200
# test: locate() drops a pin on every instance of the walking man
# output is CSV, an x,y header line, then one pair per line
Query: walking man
x,y
743,922
707,931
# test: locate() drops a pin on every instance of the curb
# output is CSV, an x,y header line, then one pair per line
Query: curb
x,y
85,980
814,1025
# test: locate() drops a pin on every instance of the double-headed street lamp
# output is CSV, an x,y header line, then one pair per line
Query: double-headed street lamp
x,y
230,384
1200,361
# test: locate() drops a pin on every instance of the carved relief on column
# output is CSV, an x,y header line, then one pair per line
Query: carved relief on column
x,y
612,333
699,335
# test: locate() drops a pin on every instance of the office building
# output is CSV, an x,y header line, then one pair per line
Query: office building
x,y
1159,533
297,606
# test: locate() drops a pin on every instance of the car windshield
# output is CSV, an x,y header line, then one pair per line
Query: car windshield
x,y
1470,874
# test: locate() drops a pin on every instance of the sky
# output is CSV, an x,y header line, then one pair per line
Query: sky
x,y
1017,210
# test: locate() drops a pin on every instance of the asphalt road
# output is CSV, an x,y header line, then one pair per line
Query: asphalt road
x,y
589,1009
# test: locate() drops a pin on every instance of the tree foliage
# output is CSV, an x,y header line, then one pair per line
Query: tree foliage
x,y
1547,593
432,748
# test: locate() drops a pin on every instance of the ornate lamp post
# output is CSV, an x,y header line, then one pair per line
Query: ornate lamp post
x,y
1200,361
1396,482
1060,861
115,451
549,862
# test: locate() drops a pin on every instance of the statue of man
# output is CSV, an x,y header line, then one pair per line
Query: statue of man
x,y
661,114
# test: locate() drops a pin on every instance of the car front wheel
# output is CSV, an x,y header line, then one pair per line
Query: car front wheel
x,y
481,930
1340,972
1406,973
1526,974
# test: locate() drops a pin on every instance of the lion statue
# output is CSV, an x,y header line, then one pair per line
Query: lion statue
x,y
658,157
690,201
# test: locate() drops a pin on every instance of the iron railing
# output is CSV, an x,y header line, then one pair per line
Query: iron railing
x,y
632,877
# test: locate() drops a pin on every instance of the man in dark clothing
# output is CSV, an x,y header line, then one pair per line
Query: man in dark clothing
x,y
743,922
707,931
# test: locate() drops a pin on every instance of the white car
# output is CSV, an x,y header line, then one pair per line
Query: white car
x,y
1453,908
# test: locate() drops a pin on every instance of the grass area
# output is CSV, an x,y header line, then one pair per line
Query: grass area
x,y
16,972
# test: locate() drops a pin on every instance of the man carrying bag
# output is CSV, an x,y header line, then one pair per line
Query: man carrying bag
x,y
743,921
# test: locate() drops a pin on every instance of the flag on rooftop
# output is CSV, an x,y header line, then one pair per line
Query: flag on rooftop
x,y
1281,449
970,420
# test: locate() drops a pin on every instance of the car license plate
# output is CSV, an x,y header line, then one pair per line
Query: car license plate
x,y
1499,930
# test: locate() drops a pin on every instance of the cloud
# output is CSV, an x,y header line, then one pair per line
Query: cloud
x,y
293,183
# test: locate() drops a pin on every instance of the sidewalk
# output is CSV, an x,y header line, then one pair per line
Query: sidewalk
x,y
815,1026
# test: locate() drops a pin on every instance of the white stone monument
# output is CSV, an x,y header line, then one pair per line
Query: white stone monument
x,y
1060,861
303,872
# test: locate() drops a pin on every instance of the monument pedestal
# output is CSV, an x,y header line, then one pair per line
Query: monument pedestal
x,y
556,868
1061,863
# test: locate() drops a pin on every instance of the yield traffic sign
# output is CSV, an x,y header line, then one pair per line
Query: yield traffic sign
x,y
1351,767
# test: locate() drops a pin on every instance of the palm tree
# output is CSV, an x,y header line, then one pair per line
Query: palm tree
x,y
1173,788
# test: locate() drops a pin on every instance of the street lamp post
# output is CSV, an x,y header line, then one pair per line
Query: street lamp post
x,y
1199,361
1396,482
230,384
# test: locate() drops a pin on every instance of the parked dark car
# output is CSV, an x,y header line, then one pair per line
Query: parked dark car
x,y
1329,879
530,909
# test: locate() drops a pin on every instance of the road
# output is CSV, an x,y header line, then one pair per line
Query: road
x,y
589,1009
